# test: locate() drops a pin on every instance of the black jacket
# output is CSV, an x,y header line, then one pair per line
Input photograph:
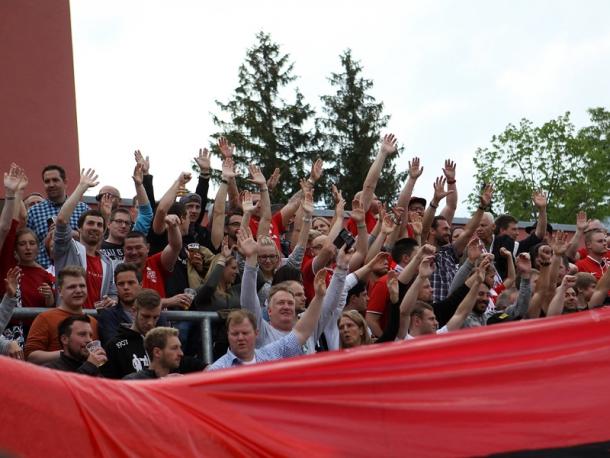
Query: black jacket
x,y
126,354
144,374
67,364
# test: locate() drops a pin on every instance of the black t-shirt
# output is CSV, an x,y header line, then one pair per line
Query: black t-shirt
x,y
177,282
113,250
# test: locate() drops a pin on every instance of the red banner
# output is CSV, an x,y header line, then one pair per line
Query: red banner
x,y
519,386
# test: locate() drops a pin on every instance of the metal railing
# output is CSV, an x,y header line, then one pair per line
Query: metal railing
x,y
204,318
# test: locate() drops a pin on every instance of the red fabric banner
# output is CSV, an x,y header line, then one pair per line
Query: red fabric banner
x,y
517,386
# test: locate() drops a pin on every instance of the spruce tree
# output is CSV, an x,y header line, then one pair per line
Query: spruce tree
x,y
351,129
266,128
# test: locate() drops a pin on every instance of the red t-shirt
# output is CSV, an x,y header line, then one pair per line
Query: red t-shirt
x,y
379,299
154,274
7,254
95,275
31,279
276,228
369,220
308,278
590,265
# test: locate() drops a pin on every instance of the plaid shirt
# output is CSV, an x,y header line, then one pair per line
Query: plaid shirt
x,y
37,221
446,261
286,347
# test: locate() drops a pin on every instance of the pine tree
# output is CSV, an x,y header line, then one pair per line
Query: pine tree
x,y
351,130
267,129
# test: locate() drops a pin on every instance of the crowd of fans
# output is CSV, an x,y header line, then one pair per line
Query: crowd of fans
x,y
283,284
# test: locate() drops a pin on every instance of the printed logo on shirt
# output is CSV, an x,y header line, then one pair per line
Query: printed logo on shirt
x,y
140,363
151,275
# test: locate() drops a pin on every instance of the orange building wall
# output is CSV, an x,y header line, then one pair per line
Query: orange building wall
x,y
37,99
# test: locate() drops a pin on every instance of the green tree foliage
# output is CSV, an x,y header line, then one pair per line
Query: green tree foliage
x,y
570,166
266,128
351,130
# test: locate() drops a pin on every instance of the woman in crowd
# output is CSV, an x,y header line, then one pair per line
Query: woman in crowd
x,y
219,293
353,330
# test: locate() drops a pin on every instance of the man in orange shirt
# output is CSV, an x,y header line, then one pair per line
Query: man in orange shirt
x,y
43,345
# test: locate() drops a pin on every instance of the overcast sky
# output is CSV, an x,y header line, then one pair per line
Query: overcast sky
x,y
451,74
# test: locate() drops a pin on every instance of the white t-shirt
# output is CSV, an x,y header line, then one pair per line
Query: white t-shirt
x,y
442,330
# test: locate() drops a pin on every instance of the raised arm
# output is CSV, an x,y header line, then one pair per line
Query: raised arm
x,y
415,172
439,194
539,199
306,325
258,179
361,246
249,297
465,307
387,227
425,269
144,162
556,304
203,183
167,200
484,201
511,275
228,149
88,180
386,149
218,219
12,183
452,198
601,291
145,212
581,226
170,253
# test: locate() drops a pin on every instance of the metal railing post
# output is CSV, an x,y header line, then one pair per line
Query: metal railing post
x,y
206,340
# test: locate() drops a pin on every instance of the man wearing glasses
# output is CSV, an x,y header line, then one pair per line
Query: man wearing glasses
x,y
118,228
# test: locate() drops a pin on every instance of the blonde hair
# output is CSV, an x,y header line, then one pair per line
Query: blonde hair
x,y
357,318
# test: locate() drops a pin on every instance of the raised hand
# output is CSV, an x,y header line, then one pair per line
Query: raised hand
x,y
274,179
524,265
388,144
172,221
388,225
439,189
449,170
337,196
415,170
568,282
393,286
505,253
343,257
246,202
307,203
13,178
428,250
88,178
357,212
319,283
581,221
426,267
474,249
225,251
257,176
416,221
143,161
486,195
106,206
559,243
184,178
203,160
138,175
227,149
539,199
316,170
379,262
246,244
11,282
228,169
397,214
